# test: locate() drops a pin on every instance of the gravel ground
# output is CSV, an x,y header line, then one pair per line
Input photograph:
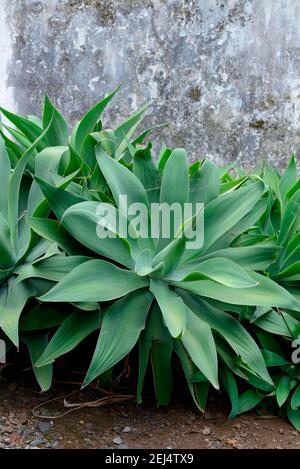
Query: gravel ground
x,y
125,426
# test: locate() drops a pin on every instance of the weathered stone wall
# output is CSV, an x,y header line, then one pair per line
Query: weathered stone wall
x,y
225,73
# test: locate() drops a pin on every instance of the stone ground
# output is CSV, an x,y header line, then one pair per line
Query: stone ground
x,y
123,425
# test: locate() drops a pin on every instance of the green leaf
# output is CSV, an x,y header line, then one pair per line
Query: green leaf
x,y
257,257
4,178
58,199
199,391
14,189
280,323
240,227
250,399
88,155
121,181
232,331
107,140
30,130
223,271
11,147
141,137
163,157
143,264
82,219
58,131
71,332
52,268
53,231
289,178
199,342
162,372
170,255
88,122
224,212
128,314
273,359
295,400
161,355
171,306
266,293
156,339
283,390
36,344
7,255
127,191
230,386
269,342
205,184
20,137
294,416
175,176
17,296
48,163
146,171
290,219
36,120
290,274
292,248
95,280
43,316
125,130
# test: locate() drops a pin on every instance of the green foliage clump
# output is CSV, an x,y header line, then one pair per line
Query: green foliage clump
x,y
229,308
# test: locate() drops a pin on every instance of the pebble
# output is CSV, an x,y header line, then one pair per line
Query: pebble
x,y
123,446
206,431
38,441
127,429
7,429
117,440
44,427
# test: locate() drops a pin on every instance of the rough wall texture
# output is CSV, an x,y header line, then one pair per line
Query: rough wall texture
x,y
224,73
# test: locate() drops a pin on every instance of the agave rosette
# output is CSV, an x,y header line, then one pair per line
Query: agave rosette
x,y
158,292
229,307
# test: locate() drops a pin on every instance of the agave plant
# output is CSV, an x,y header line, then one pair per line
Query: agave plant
x,y
77,151
21,249
278,328
18,246
284,399
228,308
156,291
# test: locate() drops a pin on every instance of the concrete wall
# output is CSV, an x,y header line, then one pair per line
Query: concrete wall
x,y
225,73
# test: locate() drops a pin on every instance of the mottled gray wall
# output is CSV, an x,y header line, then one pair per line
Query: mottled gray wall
x,y
224,73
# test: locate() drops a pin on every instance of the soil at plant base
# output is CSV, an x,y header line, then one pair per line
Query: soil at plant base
x,y
124,425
